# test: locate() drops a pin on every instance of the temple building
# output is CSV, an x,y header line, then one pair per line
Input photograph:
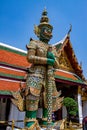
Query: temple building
x,y
69,79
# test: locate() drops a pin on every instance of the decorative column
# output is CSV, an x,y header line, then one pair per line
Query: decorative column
x,y
64,112
3,109
84,108
84,99
80,105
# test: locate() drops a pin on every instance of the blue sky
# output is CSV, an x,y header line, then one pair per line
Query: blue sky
x,y
18,17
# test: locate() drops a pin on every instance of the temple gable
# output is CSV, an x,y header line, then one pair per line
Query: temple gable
x,y
64,62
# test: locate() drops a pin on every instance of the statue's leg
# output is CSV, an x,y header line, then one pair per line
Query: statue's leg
x,y
31,111
44,118
45,112
30,118
33,90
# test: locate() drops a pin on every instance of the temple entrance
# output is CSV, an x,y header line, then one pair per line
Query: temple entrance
x,y
66,91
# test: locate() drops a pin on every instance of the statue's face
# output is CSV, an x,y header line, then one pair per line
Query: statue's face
x,y
46,33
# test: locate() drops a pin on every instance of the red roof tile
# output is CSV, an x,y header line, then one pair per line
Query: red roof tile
x,y
9,86
14,86
13,58
14,72
67,75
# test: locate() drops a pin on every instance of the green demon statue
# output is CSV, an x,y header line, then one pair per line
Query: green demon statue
x,y
40,77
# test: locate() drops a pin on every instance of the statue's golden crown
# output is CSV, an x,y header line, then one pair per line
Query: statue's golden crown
x,y
44,21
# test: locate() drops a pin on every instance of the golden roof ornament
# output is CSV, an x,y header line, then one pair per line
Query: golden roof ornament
x,y
70,29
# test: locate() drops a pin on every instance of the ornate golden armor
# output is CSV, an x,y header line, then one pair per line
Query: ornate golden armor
x,y
37,78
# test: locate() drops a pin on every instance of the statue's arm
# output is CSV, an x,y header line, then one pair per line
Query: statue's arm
x,y
32,58
56,64
31,54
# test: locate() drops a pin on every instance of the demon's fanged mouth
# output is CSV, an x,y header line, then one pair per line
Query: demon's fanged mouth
x,y
47,34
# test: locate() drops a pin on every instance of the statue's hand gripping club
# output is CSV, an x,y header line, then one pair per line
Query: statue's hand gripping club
x,y
50,58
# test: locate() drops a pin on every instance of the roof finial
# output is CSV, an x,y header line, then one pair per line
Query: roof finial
x,y
70,29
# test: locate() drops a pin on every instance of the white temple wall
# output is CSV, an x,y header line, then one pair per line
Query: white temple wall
x,y
64,112
16,115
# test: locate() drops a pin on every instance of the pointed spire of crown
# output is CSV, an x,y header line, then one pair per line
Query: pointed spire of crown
x,y
44,17
44,20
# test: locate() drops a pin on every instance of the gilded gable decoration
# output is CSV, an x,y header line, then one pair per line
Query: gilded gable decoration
x,y
64,62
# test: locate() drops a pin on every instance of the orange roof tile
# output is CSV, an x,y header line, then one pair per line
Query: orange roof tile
x,y
67,75
13,58
9,86
9,71
69,78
